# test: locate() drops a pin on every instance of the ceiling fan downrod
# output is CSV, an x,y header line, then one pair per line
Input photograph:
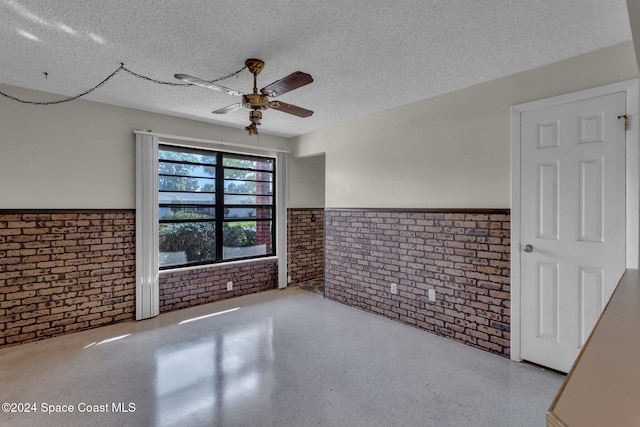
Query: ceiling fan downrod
x,y
254,66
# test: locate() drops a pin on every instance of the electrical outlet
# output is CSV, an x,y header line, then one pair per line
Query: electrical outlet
x,y
229,286
394,288
432,294
289,279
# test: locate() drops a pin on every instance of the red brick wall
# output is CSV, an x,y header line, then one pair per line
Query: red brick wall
x,y
463,256
64,271
189,287
263,229
68,270
305,245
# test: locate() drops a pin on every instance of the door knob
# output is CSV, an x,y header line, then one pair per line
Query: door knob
x,y
528,248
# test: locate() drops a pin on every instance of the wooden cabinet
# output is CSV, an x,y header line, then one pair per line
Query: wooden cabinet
x,y
603,386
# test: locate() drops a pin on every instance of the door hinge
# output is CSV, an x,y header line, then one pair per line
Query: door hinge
x,y
626,121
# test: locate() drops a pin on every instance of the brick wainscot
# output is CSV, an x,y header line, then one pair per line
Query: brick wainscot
x,y
64,271
461,254
68,270
188,287
305,244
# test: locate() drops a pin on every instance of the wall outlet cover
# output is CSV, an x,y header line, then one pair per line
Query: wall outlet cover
x,y
229,286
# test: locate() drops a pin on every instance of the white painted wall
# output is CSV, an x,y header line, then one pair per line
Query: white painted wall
x,y
306,186
633,7
81,154
446,152
451,151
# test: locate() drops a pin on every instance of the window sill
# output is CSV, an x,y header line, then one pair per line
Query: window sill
x,y
218,264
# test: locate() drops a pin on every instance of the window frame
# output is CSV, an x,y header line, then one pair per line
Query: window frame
x,y
219,206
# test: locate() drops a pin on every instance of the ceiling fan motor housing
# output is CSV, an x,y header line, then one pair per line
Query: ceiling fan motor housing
x,y
255,101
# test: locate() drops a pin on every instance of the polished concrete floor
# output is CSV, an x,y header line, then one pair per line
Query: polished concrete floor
x,y
280,358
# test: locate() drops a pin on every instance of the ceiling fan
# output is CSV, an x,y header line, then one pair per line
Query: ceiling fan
x,y
257,102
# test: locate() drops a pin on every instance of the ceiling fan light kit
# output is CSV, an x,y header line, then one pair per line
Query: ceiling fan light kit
x,y
257,102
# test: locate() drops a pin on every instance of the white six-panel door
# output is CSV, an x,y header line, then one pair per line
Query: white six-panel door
x,y
572,223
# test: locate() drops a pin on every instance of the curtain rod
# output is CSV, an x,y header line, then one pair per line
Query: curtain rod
x,y
210,141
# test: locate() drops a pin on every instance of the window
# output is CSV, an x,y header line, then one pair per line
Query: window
x,y
214,206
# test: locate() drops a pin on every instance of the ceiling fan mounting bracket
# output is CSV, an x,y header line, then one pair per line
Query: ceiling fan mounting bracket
x,y
254,65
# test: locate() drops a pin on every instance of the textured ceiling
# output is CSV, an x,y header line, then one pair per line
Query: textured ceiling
x,y
365,56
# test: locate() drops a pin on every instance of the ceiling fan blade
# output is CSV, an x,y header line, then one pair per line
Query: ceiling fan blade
x,y
199,82
228,109
290,108
286,84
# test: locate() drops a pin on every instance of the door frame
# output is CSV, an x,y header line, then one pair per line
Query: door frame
x,y
632,159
